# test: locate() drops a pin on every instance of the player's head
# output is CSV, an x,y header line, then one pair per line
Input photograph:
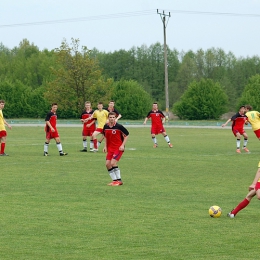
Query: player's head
x,y
2,104
111,117
242,109
100,105
155,105
87,104
111,103
54,106
248,108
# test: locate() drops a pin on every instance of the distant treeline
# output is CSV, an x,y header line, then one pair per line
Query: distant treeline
x,y
26,73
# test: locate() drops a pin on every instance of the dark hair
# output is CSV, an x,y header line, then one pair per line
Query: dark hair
x,y
100,103
2,101
111,114
54,104
242,107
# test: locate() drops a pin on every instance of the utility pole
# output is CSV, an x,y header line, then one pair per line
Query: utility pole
x,y
163,17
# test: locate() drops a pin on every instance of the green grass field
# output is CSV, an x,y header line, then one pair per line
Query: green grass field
x,y
61,207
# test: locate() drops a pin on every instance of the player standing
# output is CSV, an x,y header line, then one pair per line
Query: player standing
x,y
116,137
254,120
238,122
158,119
51,130
110,108
88,126
3,133
101,116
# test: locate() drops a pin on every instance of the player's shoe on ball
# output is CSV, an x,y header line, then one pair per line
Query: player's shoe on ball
x,y
4,154
45,154
155,145
84,150
62,154
246,150
170,145
238,151
230,215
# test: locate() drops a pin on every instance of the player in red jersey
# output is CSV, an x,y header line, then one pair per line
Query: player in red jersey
x,y
116,136
238,122
51,130
88,126
110,108
254,189
158,119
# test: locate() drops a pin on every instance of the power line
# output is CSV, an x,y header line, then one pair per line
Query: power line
x,y
81,19
123,15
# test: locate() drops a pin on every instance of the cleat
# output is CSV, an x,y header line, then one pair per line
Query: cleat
x,y
4,154
45,154
246,150
120,182
114,183
95,150
84,150
230,215
170,145
155,145
62,154
91,150
238,151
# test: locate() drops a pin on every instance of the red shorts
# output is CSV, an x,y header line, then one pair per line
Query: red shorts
x,y
3,133
114,154
100,130
257,186
51,135
257,133
157,130
87,132
240,131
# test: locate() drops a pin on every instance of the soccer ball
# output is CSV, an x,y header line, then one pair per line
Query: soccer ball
x,y
215,211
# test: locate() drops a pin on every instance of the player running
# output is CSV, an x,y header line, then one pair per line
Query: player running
x,y
158,119
238,122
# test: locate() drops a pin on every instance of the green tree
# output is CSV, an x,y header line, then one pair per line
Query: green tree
x,y
77,78
202,100
131,99
251,93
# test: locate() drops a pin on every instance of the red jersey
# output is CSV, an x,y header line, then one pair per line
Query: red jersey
x,y
114,135
85,115
156,118
52,118
238,121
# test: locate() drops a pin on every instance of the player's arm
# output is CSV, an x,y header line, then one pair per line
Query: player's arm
x,y
92,122
122,146
9,126
119,116
226,122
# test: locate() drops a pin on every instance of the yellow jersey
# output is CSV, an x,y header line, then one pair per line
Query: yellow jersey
x,y
101,117
254,119
2,122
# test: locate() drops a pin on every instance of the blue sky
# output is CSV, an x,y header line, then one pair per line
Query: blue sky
x,y
114,25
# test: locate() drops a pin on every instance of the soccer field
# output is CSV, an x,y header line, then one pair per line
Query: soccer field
x,y
61,207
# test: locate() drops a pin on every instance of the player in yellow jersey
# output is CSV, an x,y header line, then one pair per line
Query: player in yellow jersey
x,y
102,117
253,119
3,132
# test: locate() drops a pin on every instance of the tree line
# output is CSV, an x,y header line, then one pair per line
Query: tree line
x,y
30,80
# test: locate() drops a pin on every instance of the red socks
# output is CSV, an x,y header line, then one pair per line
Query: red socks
x,y
240,206
2,148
